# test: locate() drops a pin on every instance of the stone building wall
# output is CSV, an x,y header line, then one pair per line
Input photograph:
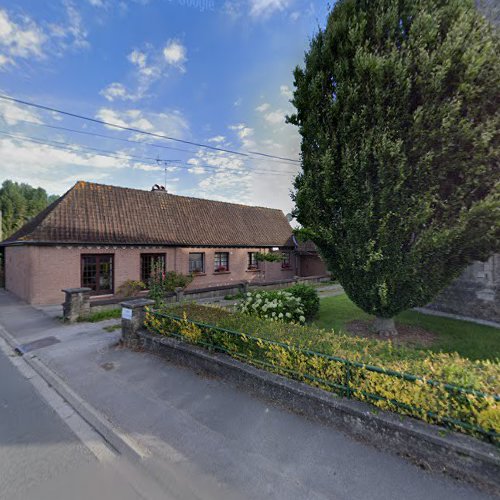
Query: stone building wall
x,y
476,293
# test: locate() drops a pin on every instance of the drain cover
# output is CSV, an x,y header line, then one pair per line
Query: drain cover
x,y
37,344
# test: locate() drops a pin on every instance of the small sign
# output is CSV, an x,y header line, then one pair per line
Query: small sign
x,y
126,313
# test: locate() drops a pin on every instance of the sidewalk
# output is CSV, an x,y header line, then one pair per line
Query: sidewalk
x,y
223,442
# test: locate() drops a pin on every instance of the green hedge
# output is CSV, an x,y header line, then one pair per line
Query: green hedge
x,y
445,388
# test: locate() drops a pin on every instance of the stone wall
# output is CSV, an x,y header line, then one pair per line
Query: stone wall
x,y
476,293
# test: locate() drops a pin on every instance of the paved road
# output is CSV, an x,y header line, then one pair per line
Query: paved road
x,y
41,458
214,440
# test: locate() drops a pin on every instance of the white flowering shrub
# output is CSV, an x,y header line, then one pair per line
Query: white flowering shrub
x,y
274,305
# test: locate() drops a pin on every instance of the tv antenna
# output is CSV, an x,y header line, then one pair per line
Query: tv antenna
x,y
165,164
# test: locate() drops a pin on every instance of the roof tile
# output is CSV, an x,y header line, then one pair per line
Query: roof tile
x,y
97,213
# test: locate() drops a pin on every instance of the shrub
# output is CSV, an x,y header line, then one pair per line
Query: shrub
x,y
161,282
130,288
276,305
424,396
309,297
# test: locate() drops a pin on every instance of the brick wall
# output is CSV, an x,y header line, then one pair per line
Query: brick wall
x,y
38,273
18,271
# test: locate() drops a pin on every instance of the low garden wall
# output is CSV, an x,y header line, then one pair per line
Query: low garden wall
x,y
236,356
460,408
79,303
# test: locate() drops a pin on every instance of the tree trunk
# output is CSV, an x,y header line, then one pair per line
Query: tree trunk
x,y
385,327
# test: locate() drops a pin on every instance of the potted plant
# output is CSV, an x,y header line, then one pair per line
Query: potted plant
x,y
220,269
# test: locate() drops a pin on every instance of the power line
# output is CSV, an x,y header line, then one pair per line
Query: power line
x,y
136,130
110,154
121,139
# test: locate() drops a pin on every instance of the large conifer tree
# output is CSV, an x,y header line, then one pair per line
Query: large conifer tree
x,y
398,109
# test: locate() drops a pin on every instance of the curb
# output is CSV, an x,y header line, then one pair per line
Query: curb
x,y
426,445
109,432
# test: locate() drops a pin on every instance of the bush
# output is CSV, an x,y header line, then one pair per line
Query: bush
x,y
426,397
130,288
309,297
161,282
276,305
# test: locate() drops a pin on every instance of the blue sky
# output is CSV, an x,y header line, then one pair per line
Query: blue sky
x,y
210,71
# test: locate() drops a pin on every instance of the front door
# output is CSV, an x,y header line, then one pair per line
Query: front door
x,y
97,273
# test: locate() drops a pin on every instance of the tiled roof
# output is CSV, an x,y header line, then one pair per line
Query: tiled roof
x,y
96,213
307,247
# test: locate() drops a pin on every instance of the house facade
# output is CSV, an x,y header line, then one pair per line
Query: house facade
x,y
100,236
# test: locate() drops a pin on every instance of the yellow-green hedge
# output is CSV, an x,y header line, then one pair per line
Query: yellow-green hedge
x,y
427,395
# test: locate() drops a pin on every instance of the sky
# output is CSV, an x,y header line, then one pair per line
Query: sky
x,y
214,72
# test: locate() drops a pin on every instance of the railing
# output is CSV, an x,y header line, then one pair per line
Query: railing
x,y
430,400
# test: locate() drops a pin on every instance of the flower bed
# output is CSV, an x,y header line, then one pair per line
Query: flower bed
x,y
439,388
273,305
296,304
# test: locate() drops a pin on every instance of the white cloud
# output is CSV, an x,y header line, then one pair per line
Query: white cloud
x,y
115,91
245,134
197,170
140,59
242,130
24,39
149,65
12,113
275,117
257,9
218,139
75,30
21,38
265,8
170,123
286,91
175,54
263,107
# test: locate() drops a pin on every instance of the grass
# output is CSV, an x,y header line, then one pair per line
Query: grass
x,y
102,315
470,340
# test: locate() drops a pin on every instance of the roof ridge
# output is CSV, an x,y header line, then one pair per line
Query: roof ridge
x,y
172,194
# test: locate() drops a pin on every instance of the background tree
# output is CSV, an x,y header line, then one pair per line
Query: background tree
x,y
19,203
398,109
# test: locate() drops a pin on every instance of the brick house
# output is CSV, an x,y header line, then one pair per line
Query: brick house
x,y
100,236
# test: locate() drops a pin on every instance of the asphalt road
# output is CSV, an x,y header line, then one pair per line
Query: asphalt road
x,y
41,458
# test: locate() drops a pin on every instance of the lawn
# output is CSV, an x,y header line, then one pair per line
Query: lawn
x,y
468,339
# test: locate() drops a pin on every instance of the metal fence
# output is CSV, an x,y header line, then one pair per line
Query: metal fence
x,y
441,403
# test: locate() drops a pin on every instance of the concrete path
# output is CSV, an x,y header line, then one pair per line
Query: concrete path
x,y
218,442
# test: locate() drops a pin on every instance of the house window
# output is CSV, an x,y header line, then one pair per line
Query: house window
x,y
253,263
197,262
97,273
221,262
151,261
285,262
